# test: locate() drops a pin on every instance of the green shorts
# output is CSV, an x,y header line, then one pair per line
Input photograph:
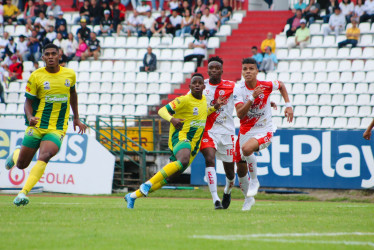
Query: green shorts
x,y
181,145
33,137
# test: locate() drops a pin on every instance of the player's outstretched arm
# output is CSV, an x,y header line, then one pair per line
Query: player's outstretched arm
x,y
28,112
242,109
367,133
164,114
74,107
289,111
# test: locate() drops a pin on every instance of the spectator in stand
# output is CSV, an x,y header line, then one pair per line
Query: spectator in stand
x,y
269,62
213,7
160,24
35,66
312,11
84,31
42,21
93,48
302,36
70,46
199,7
50,36
187,22
15,70
119,13
199,50
134,3
105,6
51,21
133,24
211,22
200,31
40,33
175,22
22,47
82,47
336,23
143,9
96,12
84,12
369,11
225,12
62,31
160,6
34,47
60,20
10,12
2,79
59,40
146,27
41,7
196,24
359,10
185,6
29,13
299,6
149,61
106,24
347,8
54,8
257,56
270,4
330,10
3,43
63,58
352,34
174,4
268,42
294,24
236,7
11,48
1,20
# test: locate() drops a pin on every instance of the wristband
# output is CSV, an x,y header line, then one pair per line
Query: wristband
x,y
251,98
288,105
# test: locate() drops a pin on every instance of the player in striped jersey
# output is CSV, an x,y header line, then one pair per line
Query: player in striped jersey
x,y
50,91
187,116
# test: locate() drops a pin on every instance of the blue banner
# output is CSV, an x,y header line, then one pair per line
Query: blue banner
x,y
309,159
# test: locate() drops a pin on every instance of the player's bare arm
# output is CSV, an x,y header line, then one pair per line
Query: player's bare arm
x,y
288,111
177,123
242,109
74,106
220,102
28,112
367,133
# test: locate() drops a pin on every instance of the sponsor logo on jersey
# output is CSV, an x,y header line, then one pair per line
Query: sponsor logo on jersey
x,y
173,105
261,96
30,132
28,89
195,111
205,140
198,124
221,92
67,83
59,98
47,86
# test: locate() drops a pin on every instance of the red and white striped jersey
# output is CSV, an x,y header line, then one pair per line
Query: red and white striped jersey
x,y
259,117
220,121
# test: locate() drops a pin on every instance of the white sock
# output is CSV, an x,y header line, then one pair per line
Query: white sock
x,y
244,184
211,175
229,185
252,166
133,195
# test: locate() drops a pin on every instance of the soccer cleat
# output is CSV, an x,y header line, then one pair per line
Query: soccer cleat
x,y
144,188
21,199
226,200
218,205
253,188
130,201
9,163
248,203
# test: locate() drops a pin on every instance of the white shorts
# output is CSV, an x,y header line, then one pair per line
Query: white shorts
x,y
263,138
224,144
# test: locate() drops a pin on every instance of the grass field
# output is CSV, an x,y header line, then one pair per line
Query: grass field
x,y
61,222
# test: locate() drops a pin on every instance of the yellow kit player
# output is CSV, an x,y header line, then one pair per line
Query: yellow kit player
x,y
187,116
49,93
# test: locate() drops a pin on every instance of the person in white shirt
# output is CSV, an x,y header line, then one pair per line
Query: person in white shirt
x,y
211,22
50,36
51,19
175,22
336,23
199,50
59,40
359,10
22,46
69,46
133,24
347,8
143,9
147,25
54,8
42,21
369,11
3,43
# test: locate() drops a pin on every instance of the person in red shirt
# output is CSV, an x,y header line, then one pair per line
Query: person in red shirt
x,y
15,70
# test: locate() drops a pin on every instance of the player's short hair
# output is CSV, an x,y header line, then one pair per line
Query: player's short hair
x,y
215,59
197,74
49,46
249,60
254,47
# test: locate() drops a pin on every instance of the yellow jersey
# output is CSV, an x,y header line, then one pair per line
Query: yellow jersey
x,y
194,112
50,93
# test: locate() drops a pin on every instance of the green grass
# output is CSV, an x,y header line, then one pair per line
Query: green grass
x,y
163,223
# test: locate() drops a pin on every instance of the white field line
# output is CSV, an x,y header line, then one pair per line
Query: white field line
x,y
357,243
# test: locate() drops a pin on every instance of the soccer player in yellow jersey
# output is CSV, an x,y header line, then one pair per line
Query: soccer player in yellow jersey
x,y
187,116
49,93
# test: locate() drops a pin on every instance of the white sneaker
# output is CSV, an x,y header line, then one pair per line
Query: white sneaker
x,y
253,188
248,203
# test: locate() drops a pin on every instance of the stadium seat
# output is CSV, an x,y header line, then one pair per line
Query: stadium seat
x,y
129,87
189,67
153,88
296,77
314,122
295,66
142,42
299,110
350,111
362,88
366,40
82,87
154,42
224,30
177,66
153,99
95,76
164,66
213,43
329,41
141,88
298,88
178,54
104,109
350,100
14,87
106,86
338,111
340,38
368,52
331,53
324,99
84,66
306,53
129,110
299,99
312,111
318,53
93,98
284,76
165,88
345,65
312,100
282,53
365,122
282,66
108,54
363,99
166,41
307,66
141,110
165,77
187,41
356,53
357,65
321,77
346,77
320,66
92,109
364,111
83,76
153,77
261,76
130,77
117,99
340,122
177,42
316,41
271,76
105,98
82,108
118,66
129,99
177,78
141,77
109,42
364,27
337,99
300,122
120,54
131,54
281,41
120,42
294,53
315,28
308,77
166,54
327,122
117,110
82,97
353,123
336,88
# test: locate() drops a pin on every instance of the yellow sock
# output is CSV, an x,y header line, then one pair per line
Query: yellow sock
x,y
138,194
158,185
35,174
15,156
166,171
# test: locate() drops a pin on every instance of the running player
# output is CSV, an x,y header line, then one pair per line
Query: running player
x,y
218,137
256,127
49,92
187,116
